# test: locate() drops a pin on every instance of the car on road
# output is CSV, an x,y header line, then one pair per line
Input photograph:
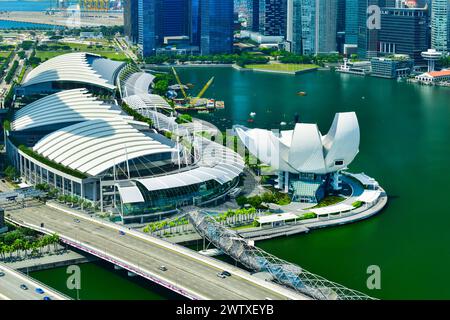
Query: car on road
x,y
3,180
221,275
162,268
76,220
121,233
47,298
1,273
39,290
226,273
23,287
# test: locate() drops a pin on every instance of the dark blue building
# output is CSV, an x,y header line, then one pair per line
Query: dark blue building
x,y
351,22
404,31
130,21
149,26
216,26
206,24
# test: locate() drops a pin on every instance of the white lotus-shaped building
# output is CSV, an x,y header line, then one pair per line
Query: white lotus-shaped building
x,y
305,156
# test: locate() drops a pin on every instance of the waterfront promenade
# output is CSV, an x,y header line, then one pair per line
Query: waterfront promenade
x,y
188,273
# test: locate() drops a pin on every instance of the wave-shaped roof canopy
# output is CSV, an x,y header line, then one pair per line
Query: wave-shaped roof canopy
x,y
81,67
96,145
64,107
304,149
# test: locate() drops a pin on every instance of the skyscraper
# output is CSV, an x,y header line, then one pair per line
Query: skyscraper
x,y
130,12
311,26
440,25
149,26
367,37
204,24
351,22
216,26
404,31
175,18
326,23
272,15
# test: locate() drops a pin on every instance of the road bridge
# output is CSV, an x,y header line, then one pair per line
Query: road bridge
x,y
17,286
187,272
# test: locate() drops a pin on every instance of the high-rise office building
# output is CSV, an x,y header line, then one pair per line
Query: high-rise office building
x,y
326,24
203,24
149,26
351,22
130,12
311,26
340,25
440,25
175,18
216,26
367,37
272,16
404,31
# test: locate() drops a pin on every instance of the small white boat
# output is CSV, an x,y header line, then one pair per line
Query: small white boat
x,y
252,114
282,123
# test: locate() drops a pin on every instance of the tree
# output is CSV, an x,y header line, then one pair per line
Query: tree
x,y
11,173
161,87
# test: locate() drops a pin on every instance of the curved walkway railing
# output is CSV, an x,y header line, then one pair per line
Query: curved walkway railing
x,y
283,272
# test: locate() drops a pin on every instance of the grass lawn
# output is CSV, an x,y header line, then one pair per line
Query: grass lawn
x,y
290,67
328,201
4,54
113,55
45,55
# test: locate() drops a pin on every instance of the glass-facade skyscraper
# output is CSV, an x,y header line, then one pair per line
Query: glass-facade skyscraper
x,y
351,22
367,38
272,16
208,24
404,31
149,26
440,25
130,12
312,26
216,26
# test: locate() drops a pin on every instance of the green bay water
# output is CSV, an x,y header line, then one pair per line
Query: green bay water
x,y
405,131
100,281
404,145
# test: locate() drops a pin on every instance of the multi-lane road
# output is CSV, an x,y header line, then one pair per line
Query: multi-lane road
x,y
16,286
186,269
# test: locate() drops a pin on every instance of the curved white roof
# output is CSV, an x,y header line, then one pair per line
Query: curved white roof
x,y
79,67
97,145
138,83
145,101
64,107
304,149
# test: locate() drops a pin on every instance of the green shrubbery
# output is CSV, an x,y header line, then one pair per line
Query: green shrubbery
x,y
357,204
267,197
184,118
136,115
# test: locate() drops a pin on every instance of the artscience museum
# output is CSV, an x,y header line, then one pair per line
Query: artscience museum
x,y
308,163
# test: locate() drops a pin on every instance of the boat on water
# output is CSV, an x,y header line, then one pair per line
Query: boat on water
x,y
282,123
203,111
301,93
252,114
220,105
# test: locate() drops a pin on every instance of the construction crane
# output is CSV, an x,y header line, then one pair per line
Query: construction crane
x,y
190,100
202,92
180,84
